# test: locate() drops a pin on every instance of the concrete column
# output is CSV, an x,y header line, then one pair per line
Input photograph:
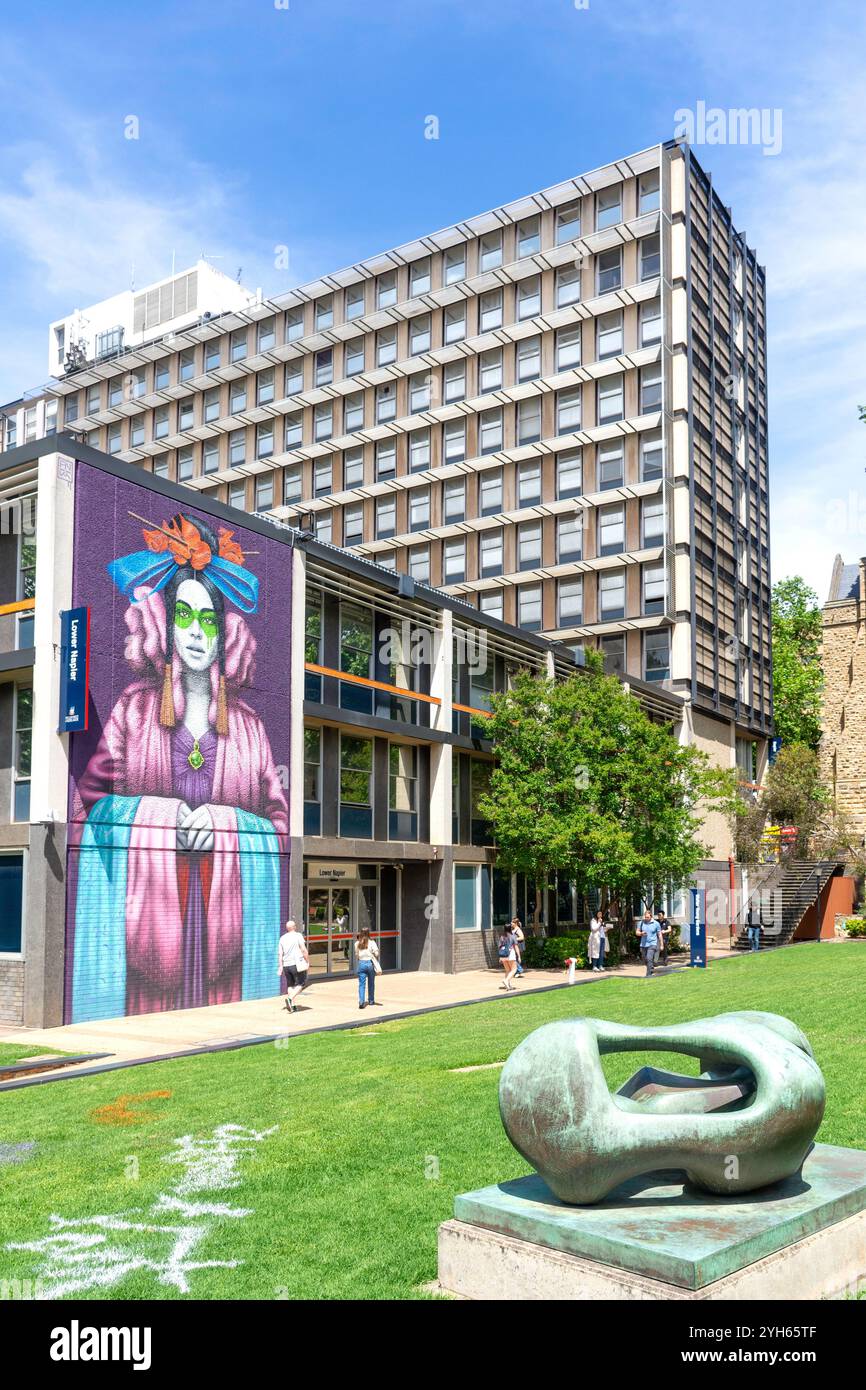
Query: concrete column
x,y
441,753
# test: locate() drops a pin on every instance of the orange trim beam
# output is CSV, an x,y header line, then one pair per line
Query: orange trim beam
x,y
391,689
22,606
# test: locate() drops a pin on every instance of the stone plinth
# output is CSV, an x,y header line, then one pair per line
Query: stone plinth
x,y
656,1239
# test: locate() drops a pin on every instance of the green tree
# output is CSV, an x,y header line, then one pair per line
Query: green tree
x,y
794,796
586,785
797,674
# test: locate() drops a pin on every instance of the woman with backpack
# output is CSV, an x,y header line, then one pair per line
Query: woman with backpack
x,y
508,957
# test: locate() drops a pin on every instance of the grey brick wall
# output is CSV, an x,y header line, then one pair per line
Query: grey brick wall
x,y
475,950
12,991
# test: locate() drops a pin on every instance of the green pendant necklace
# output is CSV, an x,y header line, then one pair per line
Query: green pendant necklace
x,y
196,757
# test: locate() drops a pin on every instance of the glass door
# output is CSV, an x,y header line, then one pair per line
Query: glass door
x,y
318,917
341,954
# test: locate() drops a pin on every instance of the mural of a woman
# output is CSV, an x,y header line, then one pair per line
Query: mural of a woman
x,y
184,815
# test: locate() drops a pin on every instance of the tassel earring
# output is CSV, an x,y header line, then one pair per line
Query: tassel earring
x,y
222,715
167,716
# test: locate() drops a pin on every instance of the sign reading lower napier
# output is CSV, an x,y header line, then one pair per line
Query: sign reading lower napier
x,y
332,873
74,669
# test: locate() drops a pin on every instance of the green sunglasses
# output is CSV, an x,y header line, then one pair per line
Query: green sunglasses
x,y
184,616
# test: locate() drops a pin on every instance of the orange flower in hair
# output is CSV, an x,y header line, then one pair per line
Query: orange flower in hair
x,y
183,540
229,549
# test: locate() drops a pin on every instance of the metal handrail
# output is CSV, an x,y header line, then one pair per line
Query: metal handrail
x,y
803,900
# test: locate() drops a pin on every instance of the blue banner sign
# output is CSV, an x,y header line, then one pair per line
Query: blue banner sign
x,y
74,669
698,927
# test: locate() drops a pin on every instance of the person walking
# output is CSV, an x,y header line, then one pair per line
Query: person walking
x,y
367,956
519,938
597,942
648,933
664,934
293,962
508,958
754,929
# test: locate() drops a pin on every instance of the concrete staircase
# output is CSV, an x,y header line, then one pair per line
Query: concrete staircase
x,y
795,889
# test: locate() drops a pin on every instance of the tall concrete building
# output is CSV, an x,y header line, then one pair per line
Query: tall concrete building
x,y
556,410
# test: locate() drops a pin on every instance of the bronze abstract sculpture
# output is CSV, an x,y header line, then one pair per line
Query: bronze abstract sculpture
x,y
746,1122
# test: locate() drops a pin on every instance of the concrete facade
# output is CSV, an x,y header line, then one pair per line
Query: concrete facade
x,y
843,716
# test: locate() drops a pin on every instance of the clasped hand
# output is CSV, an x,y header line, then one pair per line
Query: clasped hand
x,y
195,829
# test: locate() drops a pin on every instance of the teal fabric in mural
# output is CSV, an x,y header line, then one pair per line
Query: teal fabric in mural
x,y
260,894
99,960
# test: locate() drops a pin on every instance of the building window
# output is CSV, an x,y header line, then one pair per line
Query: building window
x,y
650,388
490,253
294,324
11,903
212,359
611,530
490,431
529,297
386,290
323,369
323,477
609,270
323,421
491,554
115,443
386,517
491,492
567,223
353,524
419,276
455,264
529,420
419,450
567,286
569,602
353,407
419,335
266,335
651,457
650,258
610,465
238,345
136,432
528,237
325,313
265,492
356,656
611,595
324,524
568,349
386,402
353,468
650,323
186,413
138,384
23,748
419,563
529,358
529,545
613,654
93,392
455,382
312,781
70,408
608,207
492,603
187,365
490,311
292,484
419,392
467,897
454,447
648,191
355,356
386,458
115,397
160,466
569,538
238,396
293,430
402,792
529,483
490,371
611,406
356,787
454,566
569,473
355,301
265,439
294,379
454,508
653,589
568,410
386,346
211,456
184,464
455,323
238,496
653,522
237,448
529,607
419,509
211,405
656,656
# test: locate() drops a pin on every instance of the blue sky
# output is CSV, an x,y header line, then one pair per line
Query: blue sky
x,y
303,126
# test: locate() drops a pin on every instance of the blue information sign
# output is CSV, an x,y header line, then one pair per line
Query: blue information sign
x,y
698,927
74,669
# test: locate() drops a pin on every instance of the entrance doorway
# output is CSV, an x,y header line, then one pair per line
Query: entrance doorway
x,y
335,914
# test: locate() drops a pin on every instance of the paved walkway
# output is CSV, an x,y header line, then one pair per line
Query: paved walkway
x,y
327,1004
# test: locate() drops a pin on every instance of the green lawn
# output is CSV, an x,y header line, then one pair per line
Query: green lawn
x,y
16,1052
345,1198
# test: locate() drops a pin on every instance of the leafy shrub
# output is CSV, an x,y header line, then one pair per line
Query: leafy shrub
x,y
855,926
551,952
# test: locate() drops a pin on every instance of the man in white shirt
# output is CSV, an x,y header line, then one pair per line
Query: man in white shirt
x,y
293,962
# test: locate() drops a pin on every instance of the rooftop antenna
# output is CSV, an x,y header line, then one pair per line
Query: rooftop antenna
x,y
239,274
172,260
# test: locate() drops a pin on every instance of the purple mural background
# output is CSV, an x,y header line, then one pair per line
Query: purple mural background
x,y
104,531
